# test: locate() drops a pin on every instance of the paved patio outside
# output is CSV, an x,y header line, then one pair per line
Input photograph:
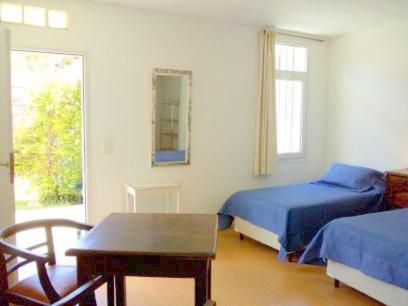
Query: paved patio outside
x,y
73,212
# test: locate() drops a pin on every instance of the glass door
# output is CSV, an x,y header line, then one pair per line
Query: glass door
x,y
7,207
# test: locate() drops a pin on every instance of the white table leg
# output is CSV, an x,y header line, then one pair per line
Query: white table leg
x,y
134,202
178,201
168,202
126,201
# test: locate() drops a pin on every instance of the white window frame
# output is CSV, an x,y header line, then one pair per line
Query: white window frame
x,y
46,24
304,78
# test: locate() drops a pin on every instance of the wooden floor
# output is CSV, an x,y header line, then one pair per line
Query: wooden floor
x,y
247,273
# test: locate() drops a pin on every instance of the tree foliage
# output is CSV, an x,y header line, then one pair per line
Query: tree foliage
x,y
49,146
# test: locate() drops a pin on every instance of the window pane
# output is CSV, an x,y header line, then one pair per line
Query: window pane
x,y
34,16
57,19
300,58
11,12
278,56
289,103
291,58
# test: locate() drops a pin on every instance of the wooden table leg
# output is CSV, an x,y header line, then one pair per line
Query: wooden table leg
x,y
111,291
201,285
120,290
83,277
209,280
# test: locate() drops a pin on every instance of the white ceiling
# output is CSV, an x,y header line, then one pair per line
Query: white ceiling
x,y
319,17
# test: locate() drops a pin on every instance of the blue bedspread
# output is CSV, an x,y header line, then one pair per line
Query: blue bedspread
x,y
376,244
297,212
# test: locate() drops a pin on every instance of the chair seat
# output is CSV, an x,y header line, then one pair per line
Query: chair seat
x,y
63,278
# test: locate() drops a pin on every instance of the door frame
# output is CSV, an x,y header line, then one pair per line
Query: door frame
x,y
7,209
85,114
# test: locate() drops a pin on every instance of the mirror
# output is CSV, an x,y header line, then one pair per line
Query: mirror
x,y
171,117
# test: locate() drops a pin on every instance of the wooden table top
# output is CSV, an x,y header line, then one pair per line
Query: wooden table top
x,y
185,235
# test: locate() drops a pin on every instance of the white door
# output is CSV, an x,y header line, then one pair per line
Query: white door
x,y
7,205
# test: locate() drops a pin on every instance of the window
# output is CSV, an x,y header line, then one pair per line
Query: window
x,y
33,15
57,19
291,79
11,12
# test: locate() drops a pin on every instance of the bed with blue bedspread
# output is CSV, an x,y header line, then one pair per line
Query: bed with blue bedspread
x,y
375,244
297,212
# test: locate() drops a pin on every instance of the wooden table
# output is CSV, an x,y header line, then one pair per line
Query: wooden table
x,y
157,245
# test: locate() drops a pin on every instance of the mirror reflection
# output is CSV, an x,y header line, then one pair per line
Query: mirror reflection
x,y
171,113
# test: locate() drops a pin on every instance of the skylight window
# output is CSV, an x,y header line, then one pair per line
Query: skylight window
x,y
34,16
11,12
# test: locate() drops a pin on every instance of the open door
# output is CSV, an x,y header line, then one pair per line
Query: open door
x,y
7,205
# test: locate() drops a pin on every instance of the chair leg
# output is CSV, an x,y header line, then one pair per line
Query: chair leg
x,y
3,302
89,300
111,291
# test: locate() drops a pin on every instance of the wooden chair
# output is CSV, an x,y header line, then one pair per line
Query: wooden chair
x,y
53,284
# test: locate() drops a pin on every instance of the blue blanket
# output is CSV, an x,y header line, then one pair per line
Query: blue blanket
x,y
376,244
297,212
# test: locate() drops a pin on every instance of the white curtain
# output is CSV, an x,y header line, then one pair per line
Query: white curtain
x,y
265,137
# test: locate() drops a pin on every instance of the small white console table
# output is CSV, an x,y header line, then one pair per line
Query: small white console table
x,y
134,191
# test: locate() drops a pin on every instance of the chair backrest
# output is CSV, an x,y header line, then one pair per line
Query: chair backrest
x,y
9,253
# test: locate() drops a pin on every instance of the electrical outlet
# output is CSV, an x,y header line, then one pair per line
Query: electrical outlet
x,y
108,145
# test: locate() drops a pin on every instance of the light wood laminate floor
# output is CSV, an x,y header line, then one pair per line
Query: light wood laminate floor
x,y
247,273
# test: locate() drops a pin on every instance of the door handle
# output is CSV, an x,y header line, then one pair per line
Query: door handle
x,y
4,165
12,167
10,164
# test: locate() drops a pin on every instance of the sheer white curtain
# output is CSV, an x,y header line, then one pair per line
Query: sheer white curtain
x,y
265,137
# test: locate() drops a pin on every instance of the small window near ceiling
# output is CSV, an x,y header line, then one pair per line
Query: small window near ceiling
x,y
57,19
291,82
10,12
35,16
291,58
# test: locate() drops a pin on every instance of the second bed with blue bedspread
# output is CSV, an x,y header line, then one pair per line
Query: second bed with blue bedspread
x,y
297,212
375,244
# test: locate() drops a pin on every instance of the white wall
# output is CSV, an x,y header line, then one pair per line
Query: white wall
x,y
368,98
122,46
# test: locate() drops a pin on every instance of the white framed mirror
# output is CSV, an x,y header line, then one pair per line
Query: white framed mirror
x,y
171,113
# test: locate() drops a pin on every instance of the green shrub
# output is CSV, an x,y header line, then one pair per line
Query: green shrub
x,y
49,144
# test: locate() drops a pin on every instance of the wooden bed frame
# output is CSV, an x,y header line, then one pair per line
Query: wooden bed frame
x,y
384,292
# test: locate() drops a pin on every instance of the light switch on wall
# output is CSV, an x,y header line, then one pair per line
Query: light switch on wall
x,y
108,145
